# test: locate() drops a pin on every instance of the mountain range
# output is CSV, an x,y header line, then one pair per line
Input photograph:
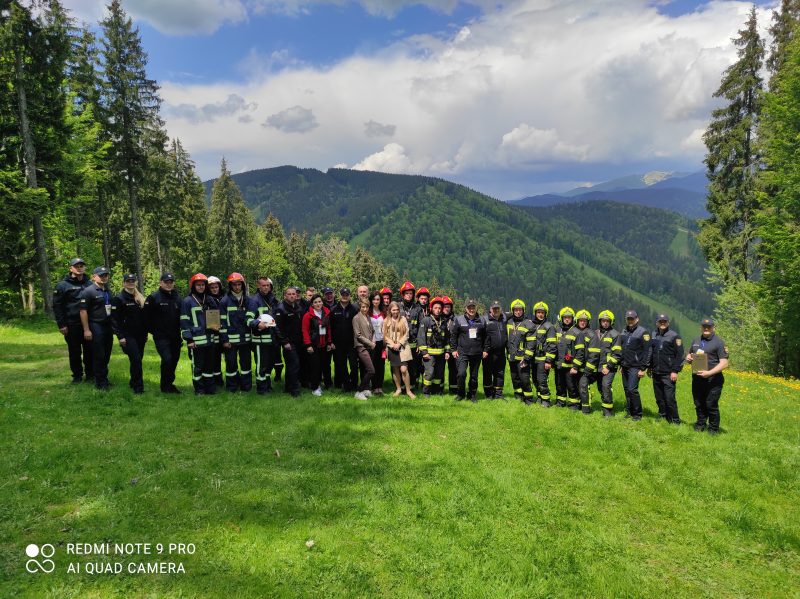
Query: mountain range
x,y
594,254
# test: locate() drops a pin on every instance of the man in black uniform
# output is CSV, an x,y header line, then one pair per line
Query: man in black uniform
x,y
329,301
261,320
544,354
636,348
707,384
95,313
665,364
494,365
289,333
469,343
162,310
345,359
567,334
452,367
66,307
417,313
520,342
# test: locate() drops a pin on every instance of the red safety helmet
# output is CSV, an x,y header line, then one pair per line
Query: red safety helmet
x,y
408,285
423,291
437,300
234,277
386,291
446,301
198,277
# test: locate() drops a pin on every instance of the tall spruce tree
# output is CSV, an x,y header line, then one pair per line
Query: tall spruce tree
x,y
727,235
130,104
782,31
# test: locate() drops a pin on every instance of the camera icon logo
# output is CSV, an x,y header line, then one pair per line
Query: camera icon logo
x,y
46,564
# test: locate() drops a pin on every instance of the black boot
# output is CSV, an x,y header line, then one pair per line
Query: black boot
x,y
608,413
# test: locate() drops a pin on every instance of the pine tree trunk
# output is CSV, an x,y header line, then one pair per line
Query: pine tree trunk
x,y
104,226
30,174
135,230
158,252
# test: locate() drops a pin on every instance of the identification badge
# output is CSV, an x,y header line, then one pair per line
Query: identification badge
x,y
108,309
322,330
473,333
699,351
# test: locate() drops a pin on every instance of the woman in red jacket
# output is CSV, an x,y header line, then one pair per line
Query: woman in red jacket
x,y
317,340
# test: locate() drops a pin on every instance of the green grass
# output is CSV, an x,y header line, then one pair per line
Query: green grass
x,y
425,498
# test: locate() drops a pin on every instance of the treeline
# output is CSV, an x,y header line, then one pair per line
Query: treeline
x,y
752,238
87,169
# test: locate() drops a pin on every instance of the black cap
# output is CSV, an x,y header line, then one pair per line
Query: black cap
x,y
707,322
167,276
76,261
496,304
662,317
327,290
344,291
129,277
631,314
101,270
471,302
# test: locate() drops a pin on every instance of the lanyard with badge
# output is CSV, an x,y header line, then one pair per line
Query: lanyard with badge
x,y
473,329
107,297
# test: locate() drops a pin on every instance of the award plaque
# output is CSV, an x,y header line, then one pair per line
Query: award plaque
x,y
212,319
700,362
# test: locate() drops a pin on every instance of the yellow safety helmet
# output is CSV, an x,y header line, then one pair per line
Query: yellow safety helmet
x,y
541,306
583,315
565,311
606,314
518,303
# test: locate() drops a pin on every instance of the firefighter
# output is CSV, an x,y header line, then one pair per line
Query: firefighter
x,y
261,322
407,305
494,365
199,339
129,325
345,358
66,307
452,367
235,335
545,352
386,297
214,295
578,373
636,348
604,354
288,316
666,360
163,315
433,343
469,344
520,342
567,337
707,384
268,293
418,312
95,314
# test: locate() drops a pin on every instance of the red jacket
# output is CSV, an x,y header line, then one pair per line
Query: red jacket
x,y
311,325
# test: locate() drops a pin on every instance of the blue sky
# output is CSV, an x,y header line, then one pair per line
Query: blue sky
x,y
513,99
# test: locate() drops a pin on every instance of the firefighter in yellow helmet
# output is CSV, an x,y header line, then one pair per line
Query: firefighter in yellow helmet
x,y
578,373
520,342
544,353
605,354
566,338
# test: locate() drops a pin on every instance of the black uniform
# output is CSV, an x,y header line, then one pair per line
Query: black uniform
x,y
494,364
263,340
235,331
636,348
66,307
193,330
581,379
215,339
570,340
163,317
468,337
407,309
543,353
289,319
520,343
96,302
345,359
603,351
666,358
452,366
433,342
276,350
128,322
706,392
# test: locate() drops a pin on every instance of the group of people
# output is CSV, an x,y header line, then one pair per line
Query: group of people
x,y
420,336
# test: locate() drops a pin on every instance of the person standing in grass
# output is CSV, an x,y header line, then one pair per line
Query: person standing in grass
x,y
199,339
377,316
433,344
544,354
470,347
707,384
567,337
129,325
364,341
520,343
261,320
317,340
66,307
345,357
452,367
666,360
581,377
95,314
214,296
235,335
605,354
395,333
163,316
289,332
636,350
494,365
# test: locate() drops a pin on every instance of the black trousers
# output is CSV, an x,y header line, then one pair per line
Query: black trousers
x,y
317,362
706,394
217,363
415,367
345,368
630,383
604,383
540,375
494,372
567,386
379,365
326,370
202,359
291,378
433,375
664,390
303,366
238,367
134,349
521,380
585,388
170,352
452,375
367,369
265,361
77,345
473,362
102,342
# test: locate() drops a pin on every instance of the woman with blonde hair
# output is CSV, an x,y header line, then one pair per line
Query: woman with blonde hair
x,y
395,334
128,324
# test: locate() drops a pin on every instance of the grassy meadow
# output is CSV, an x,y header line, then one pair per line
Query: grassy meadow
x,y
394,498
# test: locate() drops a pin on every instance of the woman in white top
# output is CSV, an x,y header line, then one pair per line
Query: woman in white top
x,y
395,334
376,318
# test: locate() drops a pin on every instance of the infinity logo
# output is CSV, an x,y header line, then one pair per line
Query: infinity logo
x,y
46,565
